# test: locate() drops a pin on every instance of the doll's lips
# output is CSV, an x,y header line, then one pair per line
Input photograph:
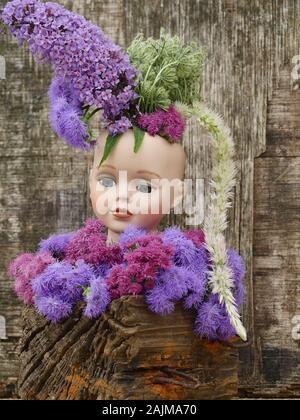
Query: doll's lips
x,y
122,215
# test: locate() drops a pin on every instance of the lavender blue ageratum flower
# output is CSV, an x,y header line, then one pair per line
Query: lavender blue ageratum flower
x,y
212,321
97,298
172,285
236,263
97,72
102,270
61,286
66,121
56,244
131,233
53,308
60,87
186,251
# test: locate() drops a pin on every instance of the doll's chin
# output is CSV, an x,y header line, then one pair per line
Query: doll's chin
x,y
118,221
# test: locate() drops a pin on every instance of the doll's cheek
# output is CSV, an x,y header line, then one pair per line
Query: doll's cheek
x,y
146,204
103,197
105,203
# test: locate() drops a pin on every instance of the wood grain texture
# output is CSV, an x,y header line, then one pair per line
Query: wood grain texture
x,y
277,247
43,183
125,355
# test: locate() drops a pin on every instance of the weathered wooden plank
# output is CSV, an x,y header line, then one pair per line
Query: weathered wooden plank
x,y
283,129
276,276
277,248
129,353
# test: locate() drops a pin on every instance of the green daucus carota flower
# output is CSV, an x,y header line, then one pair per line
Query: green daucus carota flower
x,y
169,71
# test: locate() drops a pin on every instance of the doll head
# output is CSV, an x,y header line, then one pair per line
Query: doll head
x,y
136,188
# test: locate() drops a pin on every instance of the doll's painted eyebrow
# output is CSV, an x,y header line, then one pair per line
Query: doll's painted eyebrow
x,y
108,167
149,173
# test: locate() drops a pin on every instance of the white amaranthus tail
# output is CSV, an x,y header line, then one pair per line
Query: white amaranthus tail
x,y
223,181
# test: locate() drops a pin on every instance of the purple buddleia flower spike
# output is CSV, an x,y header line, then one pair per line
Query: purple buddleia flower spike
x,y
89,68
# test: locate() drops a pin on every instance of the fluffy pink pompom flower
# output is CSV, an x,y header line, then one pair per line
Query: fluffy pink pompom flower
x,y
168,124
24,269
89,245
196,236
144,258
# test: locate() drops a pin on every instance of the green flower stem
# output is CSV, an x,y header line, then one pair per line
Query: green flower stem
x,y
154,61
90,116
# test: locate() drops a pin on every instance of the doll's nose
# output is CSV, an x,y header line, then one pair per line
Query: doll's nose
x,y
122,197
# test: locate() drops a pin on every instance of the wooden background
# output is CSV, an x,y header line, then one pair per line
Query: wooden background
x,y
250,45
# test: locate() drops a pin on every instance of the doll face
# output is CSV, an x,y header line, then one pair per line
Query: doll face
x,y
134,188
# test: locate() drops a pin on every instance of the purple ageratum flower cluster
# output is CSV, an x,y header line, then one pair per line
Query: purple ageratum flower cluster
x,y
150,252
186,279
56,244
143,260
172,285
237,265
58,288
165,267
185,249
200,266
169,124
196,236
24,269
212,321
89,244
131,233
97,299
96,72
61,88
102,270
66,114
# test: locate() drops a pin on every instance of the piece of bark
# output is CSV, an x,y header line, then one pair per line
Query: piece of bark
x,y
129,353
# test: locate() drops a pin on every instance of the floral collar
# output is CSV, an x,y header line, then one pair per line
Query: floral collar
x,y
165,267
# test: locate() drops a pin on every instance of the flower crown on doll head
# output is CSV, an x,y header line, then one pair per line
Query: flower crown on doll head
x,y
134,89
154,87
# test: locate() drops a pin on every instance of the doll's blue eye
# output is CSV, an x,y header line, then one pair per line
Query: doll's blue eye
x,y
107,182
144,188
